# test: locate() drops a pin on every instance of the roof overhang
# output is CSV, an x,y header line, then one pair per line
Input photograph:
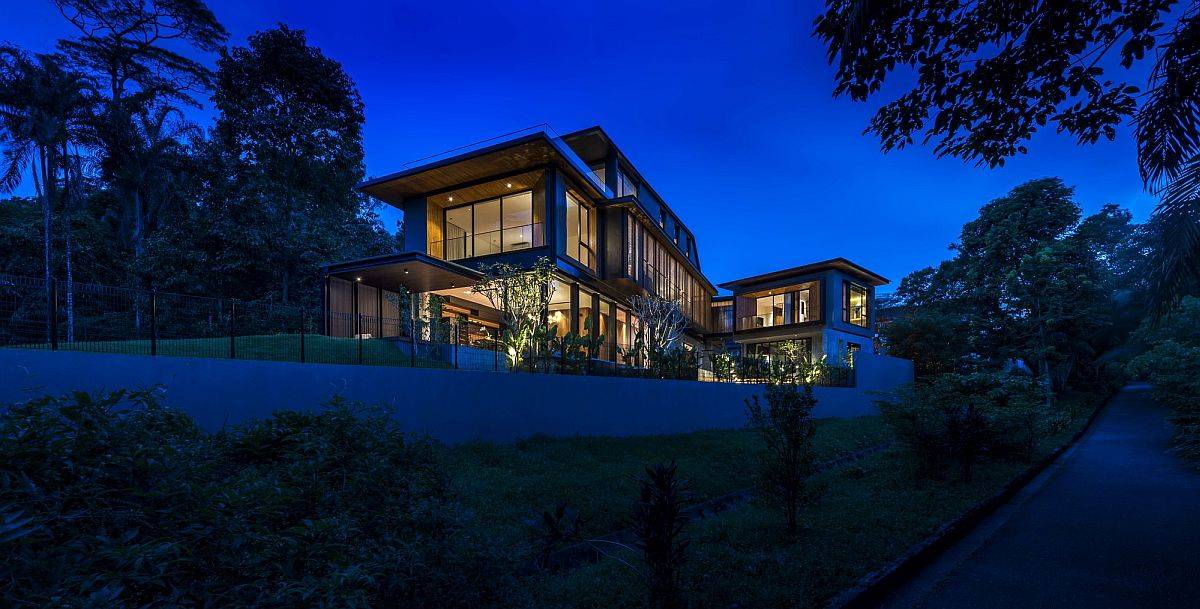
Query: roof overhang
x,y
834,264
415,271
509,157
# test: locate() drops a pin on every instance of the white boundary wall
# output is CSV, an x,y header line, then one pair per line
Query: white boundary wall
x,y
451,405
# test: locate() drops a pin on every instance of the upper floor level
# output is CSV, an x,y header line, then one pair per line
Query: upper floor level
x,y
833,294
575,199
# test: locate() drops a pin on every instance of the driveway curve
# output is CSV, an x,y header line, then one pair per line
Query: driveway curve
x,y
1114,522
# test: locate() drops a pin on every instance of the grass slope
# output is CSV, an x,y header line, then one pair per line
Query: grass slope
x,y
274,347
870,513
507,483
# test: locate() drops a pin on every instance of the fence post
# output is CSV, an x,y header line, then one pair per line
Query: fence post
x,y
454,330
496,351
302,321
232,329
153,322
52,313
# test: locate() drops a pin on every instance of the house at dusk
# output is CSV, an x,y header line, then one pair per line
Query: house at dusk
x,y
579,201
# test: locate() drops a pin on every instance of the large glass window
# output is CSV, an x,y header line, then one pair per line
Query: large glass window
x,y
598,172
626,185
581,231
559,311
767,351
789,305
493,226
458,233
854,304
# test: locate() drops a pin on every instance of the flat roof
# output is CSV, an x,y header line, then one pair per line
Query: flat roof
x,y
833,264
414,270
488,162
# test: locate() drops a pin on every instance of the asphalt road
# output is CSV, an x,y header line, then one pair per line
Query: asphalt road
x,y
1115,522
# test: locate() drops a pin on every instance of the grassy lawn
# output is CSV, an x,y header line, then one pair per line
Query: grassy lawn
x,y
507,483
275,347
869,514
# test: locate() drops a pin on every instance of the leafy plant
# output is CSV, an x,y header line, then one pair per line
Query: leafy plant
x,y
115,500
959,417
787,427
554,529
658,522
1171,363
521,295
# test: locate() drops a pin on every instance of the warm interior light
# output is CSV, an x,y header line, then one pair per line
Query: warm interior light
x,y
358,278
508,185
405,271
451,198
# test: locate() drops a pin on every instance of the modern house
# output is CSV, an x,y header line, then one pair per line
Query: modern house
x,y
579,201
828,306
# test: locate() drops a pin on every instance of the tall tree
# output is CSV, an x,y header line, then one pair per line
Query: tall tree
x,y
42,105
290,127
1029,281
988,74
130,47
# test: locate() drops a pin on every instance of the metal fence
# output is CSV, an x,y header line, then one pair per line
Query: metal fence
x,y
57,315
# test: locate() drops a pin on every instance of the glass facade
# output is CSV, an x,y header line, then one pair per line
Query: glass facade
x,y
854,304
558,314
722,316
787,305
503,224
772,349
651,265
581,231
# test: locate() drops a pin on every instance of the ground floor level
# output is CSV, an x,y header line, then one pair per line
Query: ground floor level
x,y
381,298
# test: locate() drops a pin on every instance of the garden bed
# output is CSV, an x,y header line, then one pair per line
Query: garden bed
x,y
505,484
870,513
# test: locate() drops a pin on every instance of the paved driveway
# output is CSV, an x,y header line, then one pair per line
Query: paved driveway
x,y
1115,522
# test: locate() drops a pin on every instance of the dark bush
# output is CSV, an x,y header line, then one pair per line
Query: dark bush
x,y
658,521
118,501
959,417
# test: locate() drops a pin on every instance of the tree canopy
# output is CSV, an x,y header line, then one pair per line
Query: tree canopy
x,y
986,75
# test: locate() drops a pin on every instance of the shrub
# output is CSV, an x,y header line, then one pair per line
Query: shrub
x,y
1173,369
787,427
130,504
958,417
658,521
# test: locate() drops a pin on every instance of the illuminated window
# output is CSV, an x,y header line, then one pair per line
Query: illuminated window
x,y
854,304
581,231
504,224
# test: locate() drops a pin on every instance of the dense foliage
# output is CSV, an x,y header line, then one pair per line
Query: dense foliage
x,y
983,77
1171,362
116,501
961,417
1031,284
130,192
786,425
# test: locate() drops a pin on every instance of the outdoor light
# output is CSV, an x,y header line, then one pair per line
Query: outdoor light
x,y
405,271
508,185
358,278
451,198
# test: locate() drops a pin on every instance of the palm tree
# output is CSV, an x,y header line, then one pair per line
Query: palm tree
x,y
1168,135
42,104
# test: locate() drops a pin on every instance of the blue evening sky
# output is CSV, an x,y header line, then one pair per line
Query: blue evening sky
x,y
726,108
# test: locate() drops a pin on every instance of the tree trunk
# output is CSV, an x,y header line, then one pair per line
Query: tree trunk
x,y
72,175
46,191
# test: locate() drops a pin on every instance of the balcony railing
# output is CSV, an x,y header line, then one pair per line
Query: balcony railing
x,y
755,322
508,239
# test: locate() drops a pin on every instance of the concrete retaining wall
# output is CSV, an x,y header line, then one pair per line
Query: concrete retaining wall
x,y
451,405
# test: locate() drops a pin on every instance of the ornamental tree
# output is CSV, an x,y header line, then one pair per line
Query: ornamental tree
x,y
522,296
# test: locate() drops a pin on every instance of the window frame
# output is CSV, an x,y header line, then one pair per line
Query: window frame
x,y
473,234
847,287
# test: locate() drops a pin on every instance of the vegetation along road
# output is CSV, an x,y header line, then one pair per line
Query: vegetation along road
x,y
1112,524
